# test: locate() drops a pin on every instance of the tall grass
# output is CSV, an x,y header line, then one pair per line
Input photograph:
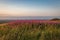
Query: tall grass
x,y
30,31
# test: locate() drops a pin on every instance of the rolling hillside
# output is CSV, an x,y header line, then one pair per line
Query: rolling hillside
x,y
30,30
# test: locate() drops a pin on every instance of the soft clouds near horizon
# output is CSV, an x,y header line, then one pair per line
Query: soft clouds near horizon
x,y
28,9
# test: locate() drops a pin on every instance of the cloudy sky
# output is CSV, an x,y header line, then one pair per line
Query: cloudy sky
x,y
29,8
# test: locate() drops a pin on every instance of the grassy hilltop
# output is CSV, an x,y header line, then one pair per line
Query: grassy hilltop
x,y
30,30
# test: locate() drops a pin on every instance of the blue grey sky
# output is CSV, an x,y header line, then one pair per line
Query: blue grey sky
x,y
29,8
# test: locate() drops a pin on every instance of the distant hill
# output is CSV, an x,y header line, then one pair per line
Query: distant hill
x,y
55,19
5,21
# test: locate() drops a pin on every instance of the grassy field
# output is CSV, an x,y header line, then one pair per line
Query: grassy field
x,y
30,30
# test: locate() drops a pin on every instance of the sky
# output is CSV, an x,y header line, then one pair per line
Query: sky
x,y
15,8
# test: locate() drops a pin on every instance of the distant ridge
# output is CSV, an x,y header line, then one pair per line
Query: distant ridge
x,y
55,19
29,18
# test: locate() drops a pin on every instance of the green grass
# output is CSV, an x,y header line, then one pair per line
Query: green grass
x,y
33,31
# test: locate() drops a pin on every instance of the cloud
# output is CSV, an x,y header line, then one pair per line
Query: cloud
x,y
22,10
